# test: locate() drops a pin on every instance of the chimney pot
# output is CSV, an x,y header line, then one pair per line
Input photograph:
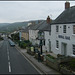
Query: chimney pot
x,y
67,5
48,19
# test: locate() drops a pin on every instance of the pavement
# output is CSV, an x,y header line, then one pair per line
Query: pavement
x,y
39,65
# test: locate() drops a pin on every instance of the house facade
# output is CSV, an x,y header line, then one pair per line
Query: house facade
x,y
36,35
25,35
62,37
47,40
33,34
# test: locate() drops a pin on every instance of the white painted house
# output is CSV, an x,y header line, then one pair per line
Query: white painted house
x,y
48,38
36,34
33,34
62,37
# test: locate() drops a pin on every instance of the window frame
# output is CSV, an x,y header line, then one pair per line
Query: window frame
x,y
73,47
73,29
57,44
64,28
57,28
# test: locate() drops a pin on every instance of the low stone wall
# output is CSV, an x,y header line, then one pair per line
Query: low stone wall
x,y
63,59
29,51
55,64
52,63
64,70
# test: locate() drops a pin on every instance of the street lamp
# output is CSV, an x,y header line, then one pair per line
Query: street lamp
x,y
41,37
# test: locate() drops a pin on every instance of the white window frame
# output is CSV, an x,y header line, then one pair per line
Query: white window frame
x,y
57,28
73,29
73,46
57,44
64,28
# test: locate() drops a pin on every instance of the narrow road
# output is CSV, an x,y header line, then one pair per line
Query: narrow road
x,y
12,62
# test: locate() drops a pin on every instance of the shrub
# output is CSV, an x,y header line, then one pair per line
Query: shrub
x,y
72,63
50,56
24,44
1,38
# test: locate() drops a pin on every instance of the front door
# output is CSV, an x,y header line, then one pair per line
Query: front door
x,y
64,49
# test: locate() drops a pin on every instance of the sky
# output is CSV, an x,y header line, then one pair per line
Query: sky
x,y
19,11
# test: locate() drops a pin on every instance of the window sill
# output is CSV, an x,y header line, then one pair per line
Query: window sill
x,y
57,32
72,55
73,34
57,48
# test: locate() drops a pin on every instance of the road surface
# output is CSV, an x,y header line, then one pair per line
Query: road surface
x,y
12,62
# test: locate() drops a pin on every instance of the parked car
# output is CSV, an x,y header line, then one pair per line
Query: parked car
x,y
11,43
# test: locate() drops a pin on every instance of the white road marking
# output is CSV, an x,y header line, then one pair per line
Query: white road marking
x,y
9,67
8,57
8,52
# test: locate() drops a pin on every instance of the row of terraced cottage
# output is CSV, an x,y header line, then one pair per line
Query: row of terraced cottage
x,y
57,36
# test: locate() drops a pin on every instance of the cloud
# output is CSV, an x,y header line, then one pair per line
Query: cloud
x,y
14,11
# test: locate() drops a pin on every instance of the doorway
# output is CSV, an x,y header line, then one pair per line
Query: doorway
x,y
64,49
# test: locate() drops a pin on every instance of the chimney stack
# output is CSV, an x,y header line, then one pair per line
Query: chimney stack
x,y
67,5
48,19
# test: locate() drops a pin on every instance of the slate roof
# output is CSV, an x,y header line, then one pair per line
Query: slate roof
x,y
43,26
27,28
67,16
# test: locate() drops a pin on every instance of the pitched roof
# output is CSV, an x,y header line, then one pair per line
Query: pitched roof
x,y
67,16
27,28
42,26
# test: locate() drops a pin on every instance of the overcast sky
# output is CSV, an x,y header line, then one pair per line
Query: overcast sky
x,y
18,11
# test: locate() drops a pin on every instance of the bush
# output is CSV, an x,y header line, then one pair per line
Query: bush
x,y
28,43
24,44
72,63
1,38
69,65
50,56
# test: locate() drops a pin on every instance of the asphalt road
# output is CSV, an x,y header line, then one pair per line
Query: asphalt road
x,y
12,62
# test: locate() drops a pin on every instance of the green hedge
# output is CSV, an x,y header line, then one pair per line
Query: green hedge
x,y
50,56
72,63
1,38
24,44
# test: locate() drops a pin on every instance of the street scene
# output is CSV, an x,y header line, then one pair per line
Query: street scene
x,y
39,41
12,62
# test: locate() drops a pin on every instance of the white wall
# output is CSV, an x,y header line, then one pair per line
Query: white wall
x,y
54,37
33,34
47,37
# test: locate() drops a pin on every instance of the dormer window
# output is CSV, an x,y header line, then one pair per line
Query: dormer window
x,y
73,29
64,29
57,28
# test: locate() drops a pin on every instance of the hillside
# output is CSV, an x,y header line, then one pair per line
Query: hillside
x,y
10,27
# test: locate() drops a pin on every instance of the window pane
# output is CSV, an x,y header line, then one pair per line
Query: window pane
x,y
57,44
57,28
74,49
73,29
64,29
